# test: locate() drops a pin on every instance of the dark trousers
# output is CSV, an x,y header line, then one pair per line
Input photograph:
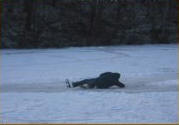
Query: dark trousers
x,y
89,82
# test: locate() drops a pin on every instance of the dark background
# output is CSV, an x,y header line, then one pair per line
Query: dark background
x,y
62,23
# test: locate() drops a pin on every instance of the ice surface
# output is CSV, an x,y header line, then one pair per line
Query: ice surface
x,y
33,88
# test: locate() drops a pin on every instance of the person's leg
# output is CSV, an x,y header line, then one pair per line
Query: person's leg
x,y
79,83
88,82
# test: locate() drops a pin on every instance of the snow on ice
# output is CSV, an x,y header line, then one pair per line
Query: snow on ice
x,y
33,88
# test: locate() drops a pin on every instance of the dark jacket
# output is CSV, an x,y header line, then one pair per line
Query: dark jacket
x,y
105,80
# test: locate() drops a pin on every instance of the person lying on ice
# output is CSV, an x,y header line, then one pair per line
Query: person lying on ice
x,y
105,80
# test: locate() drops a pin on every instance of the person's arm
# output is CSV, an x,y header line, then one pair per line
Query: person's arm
x,y
120,84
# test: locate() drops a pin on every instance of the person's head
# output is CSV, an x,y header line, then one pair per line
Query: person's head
x,y
116,75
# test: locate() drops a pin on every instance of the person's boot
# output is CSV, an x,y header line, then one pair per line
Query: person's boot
x,y
67,83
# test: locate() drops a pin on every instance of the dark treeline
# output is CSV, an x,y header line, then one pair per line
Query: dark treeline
x,y
61,23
